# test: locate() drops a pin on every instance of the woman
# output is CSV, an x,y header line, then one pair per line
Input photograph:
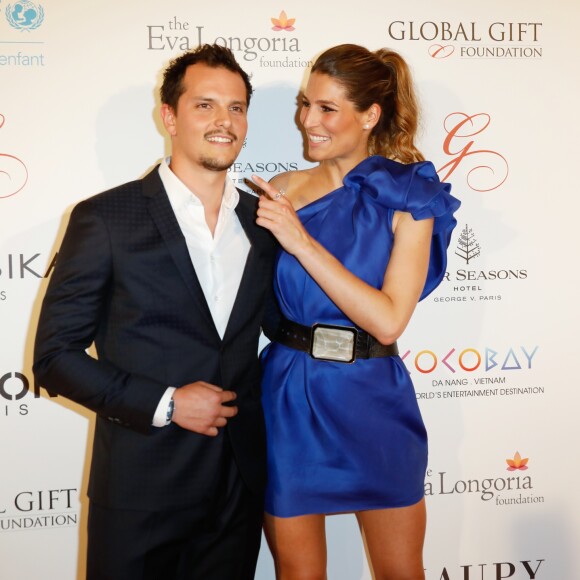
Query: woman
x,y
364,235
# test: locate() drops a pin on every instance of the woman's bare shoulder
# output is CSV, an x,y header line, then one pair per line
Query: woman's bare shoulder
x,y
282,180
291,180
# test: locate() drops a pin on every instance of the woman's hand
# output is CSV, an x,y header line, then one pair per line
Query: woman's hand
x,y
275,213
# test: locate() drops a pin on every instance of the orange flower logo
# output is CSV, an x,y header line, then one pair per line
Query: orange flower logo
x,y
283,22
517,463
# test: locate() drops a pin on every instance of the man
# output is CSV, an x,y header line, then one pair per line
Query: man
x,y
169,276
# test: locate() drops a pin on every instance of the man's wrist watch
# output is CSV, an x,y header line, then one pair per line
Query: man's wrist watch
x,y
170,409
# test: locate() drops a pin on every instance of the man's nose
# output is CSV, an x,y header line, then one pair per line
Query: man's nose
x,y
223,118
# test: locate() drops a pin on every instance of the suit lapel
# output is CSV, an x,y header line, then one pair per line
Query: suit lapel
x,y
162,214
246,212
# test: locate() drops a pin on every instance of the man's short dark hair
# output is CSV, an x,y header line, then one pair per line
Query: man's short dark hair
x,y
212,55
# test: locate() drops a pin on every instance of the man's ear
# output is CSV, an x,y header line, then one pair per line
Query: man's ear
x,y
168,118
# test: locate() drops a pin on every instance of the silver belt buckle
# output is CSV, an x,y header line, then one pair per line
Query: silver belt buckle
x,y
333,343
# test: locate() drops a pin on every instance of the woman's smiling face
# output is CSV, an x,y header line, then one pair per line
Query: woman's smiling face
x,y
334,128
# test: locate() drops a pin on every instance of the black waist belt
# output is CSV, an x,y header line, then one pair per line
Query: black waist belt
x,y
331,342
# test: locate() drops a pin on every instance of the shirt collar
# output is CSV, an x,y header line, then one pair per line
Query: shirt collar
x,y
180,195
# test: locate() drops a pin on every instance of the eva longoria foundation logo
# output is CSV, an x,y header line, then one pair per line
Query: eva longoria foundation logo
x,y
517,463
472,40
497,490
272,51
283,22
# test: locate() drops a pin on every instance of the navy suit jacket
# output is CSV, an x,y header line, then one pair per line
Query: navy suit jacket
x,y
124,280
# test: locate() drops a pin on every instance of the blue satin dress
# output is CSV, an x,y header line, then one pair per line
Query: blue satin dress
x,y
349,437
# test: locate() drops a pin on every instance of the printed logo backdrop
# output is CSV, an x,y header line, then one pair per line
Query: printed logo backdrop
x,y
492,352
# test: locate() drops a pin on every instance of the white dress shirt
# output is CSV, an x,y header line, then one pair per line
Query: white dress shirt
x,y
218,260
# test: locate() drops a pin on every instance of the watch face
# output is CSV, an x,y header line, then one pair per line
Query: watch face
x,y
170,411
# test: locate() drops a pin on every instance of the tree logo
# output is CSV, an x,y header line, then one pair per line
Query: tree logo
x,y
467,246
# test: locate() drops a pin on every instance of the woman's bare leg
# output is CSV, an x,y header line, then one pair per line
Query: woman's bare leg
x,y
298,546
394,539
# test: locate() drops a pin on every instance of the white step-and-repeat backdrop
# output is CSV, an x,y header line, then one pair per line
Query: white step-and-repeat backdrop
x,y
493,352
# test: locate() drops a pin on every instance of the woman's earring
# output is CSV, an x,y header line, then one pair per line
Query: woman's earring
x,y
366,126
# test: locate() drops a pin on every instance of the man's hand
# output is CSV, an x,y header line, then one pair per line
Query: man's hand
x,y
199,407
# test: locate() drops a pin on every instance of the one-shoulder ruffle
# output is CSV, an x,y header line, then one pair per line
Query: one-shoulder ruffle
x,y
414,188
